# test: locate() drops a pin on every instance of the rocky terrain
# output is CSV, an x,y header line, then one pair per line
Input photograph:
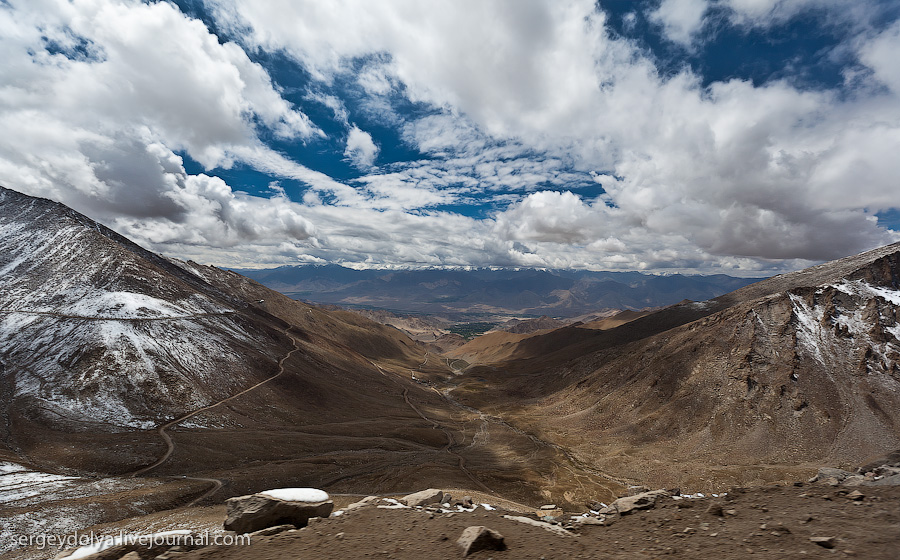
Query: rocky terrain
x,y
132,383
141,392
848,514
752,387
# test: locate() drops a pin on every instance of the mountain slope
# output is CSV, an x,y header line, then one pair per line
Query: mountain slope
x,y
116,362
98,334
792,371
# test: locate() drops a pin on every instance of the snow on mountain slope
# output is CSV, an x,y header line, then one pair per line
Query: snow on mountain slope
x,y
803,369
94,328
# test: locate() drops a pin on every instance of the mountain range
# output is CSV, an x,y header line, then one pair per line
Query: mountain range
x,y
137,382
560,293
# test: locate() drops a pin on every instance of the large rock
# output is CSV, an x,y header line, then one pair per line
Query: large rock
x,y
644,500
543,525
423,498
826,474
294,506
477,538
138,546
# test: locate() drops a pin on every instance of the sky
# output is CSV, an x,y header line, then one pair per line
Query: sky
x,y
745,137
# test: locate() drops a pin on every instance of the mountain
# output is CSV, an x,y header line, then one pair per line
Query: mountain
x,y
752,386
135,383
102,341
486,291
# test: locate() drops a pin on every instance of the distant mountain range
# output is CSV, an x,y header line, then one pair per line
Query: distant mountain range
x,y
559,293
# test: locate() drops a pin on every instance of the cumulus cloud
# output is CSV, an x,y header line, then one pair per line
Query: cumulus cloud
x,y
99,95
361,149
680,19
525,108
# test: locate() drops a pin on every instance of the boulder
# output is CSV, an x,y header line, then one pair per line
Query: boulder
x,y
269,531
423,498
886,481
535,523
824,542
826,473
367,501
478,537
550,514
644,500
293,506
590,521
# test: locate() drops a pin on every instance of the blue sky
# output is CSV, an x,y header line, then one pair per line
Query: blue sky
x,y
744,137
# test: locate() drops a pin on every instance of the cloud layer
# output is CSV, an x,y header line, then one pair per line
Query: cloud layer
x,y
575,148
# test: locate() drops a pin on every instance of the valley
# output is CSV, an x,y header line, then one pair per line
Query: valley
x,y
137,386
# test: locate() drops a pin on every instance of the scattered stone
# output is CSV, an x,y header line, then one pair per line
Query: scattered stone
x,y
143,546
548,514
591,521
644,500
548,506
478,537
826,473
423,498
253,512
856,495
886,481
824,542
548,526
715,509
274,530
731,512
367,501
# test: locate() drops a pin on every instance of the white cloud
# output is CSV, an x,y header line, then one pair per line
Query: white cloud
x,y
361,149
98,132
766,13
880,54
523,107
681,19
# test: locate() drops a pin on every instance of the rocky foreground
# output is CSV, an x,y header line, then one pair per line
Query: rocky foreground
x,y
836,514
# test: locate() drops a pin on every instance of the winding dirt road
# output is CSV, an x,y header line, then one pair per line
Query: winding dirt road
x,y
461,461
170,445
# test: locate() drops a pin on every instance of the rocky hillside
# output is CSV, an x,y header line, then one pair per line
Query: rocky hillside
x,y
99,336
750,387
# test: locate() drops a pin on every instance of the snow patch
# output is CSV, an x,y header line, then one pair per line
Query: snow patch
x,y
297,494
809,327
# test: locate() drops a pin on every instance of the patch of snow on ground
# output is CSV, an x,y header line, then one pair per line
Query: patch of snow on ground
x,y
297,494
18,483
130,305
866,290
895,330
809,328
853,322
